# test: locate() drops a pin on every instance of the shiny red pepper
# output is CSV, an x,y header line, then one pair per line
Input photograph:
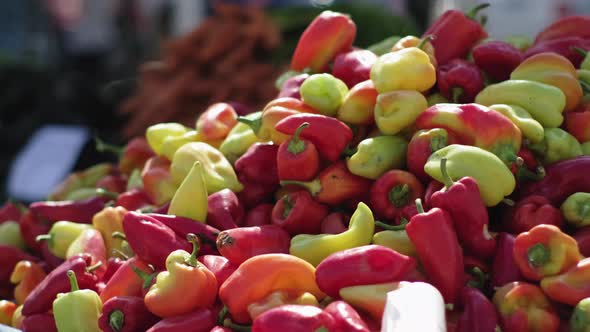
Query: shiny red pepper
x,y
497,59
221,267
301,318
573,25
256,193
113,264
290,87
582,237
42,322
422,145
563,46
135,154
75,211
133,199
216,121
504,268
259,164
393,191
479,314
459,81
239,244
298,158
298,212
346,317
577,122
354,67
259,215
131,279
532,211
183,226
125,314
200,320
224,210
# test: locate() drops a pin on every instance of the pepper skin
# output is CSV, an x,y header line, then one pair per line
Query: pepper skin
x,y
393,191
157,180
73,211
239,139
377,155
108,221
479,314
216,121
297,159
577,122
565,27
259,215
91,242
135,155
125,314
579,321
44,322
571,286
557,145
7,310
353,67
423,143
346,317
324,93
183,226
78,310
370,298
131,279
61,235
294,318
26,276
406,69
359,104
424,44
298,213
219,265
530,128
398,110
224,210
280,298
239,244
199,320
190,199
504,267
459,81
576,209
259,164
497,59
9,257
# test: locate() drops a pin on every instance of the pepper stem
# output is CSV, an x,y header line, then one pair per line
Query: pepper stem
x,y
508,202
399,195
479,276
192,260
579,50
73,282
419,206
296,145
222,314
471,13
438,142
44,237
538,255
447,180
585,86
288,206
255,124
236,327
116,320
349,151
147,278
314,187
400,227
119,253
457,93
119,235
424,40
584,211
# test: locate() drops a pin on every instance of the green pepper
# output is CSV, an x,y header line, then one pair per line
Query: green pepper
x,y
436,98
529,127
61,235
586,148
493,177
218,172
377,155
580,320
78,310
576,209
158,133
239,139
397,240
10,234
557,145
314,248
323,92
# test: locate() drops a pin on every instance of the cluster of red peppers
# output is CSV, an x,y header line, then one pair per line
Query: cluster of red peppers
x,y
434,183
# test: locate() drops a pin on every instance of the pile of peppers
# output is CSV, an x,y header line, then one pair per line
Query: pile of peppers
x,y
429,183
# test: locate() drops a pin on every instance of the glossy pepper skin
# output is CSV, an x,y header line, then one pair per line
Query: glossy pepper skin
x,y
74,211
577,122
563,46
407,69
582,237
346,317
545,251
259,164
315,248
392,192
397,110
434,238
579,320
108,221
280,298
358,104
556,145
200,320
422,144
10,211
259,215
186,285
26,276
504,267
224,210
370,298
298,212
44,322
565,27
497,58
9,258
377,155
530,212
135,154
353,67
370,264
61,235
237,245
7,310
91,242
294,318
297,158
157,180
530,128
571,286
216,121
413,41
78,310
327,35
131,279
190,199
523,307
576,209
459,81
86,178
125,314
183,226
221,267
479,314
239,139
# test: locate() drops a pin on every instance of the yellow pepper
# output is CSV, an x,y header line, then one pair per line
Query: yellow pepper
x,y
239,139
396,240
377,155
413,41
107,222
397,110
190,199
529,127
406,69
370,298
158,133
172,143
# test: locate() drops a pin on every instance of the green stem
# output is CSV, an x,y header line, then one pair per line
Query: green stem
x,y
222,314
102,146
538,255
585,86
438,142
579,50
94,267
288,206
584,211
349,151
236,327
255,124
424,41
479,278
192,260
119,235
508,202
116,320
389,227
419,206
399,195
147,278
296,145
73,282
119,253
473,11
447,180
457,93
314,187
44,237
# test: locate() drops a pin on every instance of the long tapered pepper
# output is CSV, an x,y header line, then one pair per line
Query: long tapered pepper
x,y
529,127
75,211
370,298
564,46
183,226
125,314
190,199
571,286
61,235
239,244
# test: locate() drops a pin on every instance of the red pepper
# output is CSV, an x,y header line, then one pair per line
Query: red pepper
x,y
216,121
125,314
298,212
354,67
301,318
221,329
438,249
259,164
113,264
42,322
569,287
150,239
582,237
91,242
527,167
133,199
221,267
335,223
239,244
183,226
9,257
329,135
531,211
135,155
297,158
459,81
157,180
574,25
504,268
479,314
463,202
370,264
329,34
11,211
290,87
40,300
75,211
224,210
345,317
422,145
564,46
497,59
255,193
455,33
133,277
259,215
392,192
200,320
433,186
113,183
50,261
577,122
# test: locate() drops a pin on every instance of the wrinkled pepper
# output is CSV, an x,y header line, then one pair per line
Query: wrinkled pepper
x,y
259,164
530,128
376,155
78,310
571,286
324,93
422,144
26,275
190,199
298,213
297,158
240,244
173,143
497,59
397,110
61,235
216,121
576,209
359,104
459,81
556,145
392,192
125,314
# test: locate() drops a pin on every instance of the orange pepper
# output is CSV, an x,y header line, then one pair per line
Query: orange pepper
x,y
7,309
261,275
26,275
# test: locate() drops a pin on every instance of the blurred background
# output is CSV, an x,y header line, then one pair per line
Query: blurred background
x,y
71,70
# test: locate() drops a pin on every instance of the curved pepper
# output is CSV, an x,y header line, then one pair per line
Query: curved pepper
x,y
493,177
459,80
359,104
544,102
261,275
156,134
315,248
580,320
75,211
571,286
397,110
397,240
406,69
224,210
392,192
347,319
190,199
183,226
185,286
78,310
239,139
497,59
61,235
131,279
239,244
530,128
216,121
545,251
564,46
26,275
376,155
557,145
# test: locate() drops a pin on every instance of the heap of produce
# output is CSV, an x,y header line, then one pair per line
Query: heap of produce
x,y
433,183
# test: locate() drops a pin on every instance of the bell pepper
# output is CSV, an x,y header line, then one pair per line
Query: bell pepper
x,y
259,215
298,212
530,128
157,180
130,279
150,239
530,212
216,121
134,155
571,286
239,139
302,318
504,268
582,237
479,314
156,134
26,275
334,185
369,298
61,235
523,307
438,249
199,320
290,87
376,155
259,164
219,265
493,177
497,58
239,244
190,199
172,143
315,248
556,145
397,110
353,67
544,102
555,70
261,275
475,125
358,105
74,211
7,310
224,210
574,25
183,226
185,286
577,122
44,322
329,135
360,266
407,69
280,298
459,81
345,317
579,320
78,310
86,178
545,251
564,46
108,221
264,124
393,191
324,93
90,241
125,314
576,209
335,223
423,143
297,159
217,171
10,235
329,34
424,44
42,296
